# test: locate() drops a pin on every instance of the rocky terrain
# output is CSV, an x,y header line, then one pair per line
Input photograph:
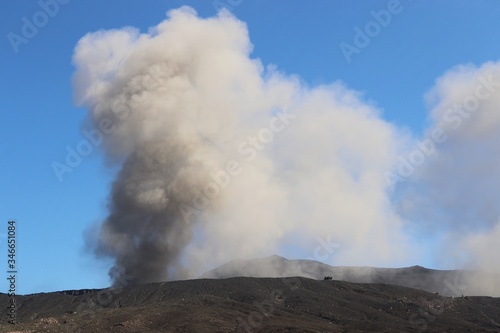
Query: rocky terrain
x,y
253,305
271,294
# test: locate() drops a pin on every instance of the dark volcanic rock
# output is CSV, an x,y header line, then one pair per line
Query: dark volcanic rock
x,y
254,305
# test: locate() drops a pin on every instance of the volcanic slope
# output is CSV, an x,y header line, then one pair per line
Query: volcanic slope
x,y
245,304
445,282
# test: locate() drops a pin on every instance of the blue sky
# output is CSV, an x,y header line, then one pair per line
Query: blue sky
x,y
39,118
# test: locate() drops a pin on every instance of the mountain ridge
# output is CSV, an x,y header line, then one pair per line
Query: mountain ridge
x,y
446,282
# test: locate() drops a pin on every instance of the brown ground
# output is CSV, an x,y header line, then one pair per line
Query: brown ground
x,y
253,305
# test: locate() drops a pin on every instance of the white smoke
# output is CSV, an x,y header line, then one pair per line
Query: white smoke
x,y
222,157
455,193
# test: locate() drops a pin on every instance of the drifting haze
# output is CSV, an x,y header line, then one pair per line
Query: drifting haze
x,y
455,192
223,158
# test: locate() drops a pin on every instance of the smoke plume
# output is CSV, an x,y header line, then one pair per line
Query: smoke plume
x,y
221,157
454,194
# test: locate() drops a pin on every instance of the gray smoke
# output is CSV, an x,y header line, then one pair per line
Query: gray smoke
x,y
223,158
453,196
144,229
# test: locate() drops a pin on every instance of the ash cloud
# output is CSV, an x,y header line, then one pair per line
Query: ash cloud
x,y
221,157
184,100
454,195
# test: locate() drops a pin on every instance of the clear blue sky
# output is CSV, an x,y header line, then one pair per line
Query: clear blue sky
x,y
301,37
